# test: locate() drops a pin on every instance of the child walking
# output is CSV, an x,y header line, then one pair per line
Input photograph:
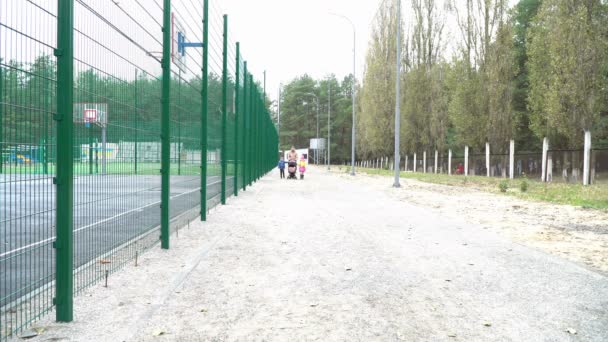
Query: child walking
x,y
282,167
302,165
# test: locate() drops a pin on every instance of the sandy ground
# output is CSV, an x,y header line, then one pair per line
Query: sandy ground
x,y
336,258
575,233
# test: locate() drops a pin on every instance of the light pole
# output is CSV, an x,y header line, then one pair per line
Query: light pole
x,y
398,97
352,172
317,149
328,124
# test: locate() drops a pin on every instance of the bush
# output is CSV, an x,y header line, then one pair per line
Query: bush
x,y
524,185
503,185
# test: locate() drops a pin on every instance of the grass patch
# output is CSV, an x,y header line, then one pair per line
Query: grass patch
x,y
592,197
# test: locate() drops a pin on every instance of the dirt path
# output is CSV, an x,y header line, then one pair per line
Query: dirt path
x,y
360,263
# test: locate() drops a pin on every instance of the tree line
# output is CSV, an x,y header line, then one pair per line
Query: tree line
x,y
472,72
539,69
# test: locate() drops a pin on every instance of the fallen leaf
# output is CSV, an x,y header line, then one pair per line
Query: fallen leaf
x,y
314,305
487,324
103,261
203,310
451,335
571,331
448,280
348,269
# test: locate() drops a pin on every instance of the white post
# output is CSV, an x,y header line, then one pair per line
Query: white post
x,y
466,161
424,162
488,159
511,158
436,160
587,159
414,168
543,175
405,166
450,162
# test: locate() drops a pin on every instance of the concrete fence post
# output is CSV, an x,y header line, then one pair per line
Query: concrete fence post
x,y
450,162
436,160
405,166
511,158
587,159
466,161
488,159
414,168
424,162
543,174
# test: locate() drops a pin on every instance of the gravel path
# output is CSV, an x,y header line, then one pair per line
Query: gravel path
x,y
335,258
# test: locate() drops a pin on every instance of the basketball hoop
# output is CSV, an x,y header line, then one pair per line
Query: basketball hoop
x,y
90,115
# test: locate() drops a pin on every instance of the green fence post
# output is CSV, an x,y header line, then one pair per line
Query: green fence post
x,y
89,128
179,123
251,148
1,117
47,110
224,107
254,133
258,131
96,149
64,249
236,119
204,112
165,127
245,125
136,120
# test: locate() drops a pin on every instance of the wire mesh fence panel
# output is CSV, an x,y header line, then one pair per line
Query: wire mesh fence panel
x,y
27,149
528,165
442,164
599,166
116,134
214,107
230,144
477,165
115,164
499,165
565,166
458,165
186,109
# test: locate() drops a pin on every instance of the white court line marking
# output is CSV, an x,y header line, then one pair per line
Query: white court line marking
x,y
95,224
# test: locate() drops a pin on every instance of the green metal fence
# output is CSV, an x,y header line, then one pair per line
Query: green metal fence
x,y
119,123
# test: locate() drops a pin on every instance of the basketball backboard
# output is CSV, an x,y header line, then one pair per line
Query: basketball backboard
x,y
178,38
91,113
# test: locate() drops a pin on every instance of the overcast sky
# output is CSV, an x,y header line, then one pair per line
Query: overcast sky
x,y
292,37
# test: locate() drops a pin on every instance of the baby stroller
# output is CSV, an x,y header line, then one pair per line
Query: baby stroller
x,y
291,169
